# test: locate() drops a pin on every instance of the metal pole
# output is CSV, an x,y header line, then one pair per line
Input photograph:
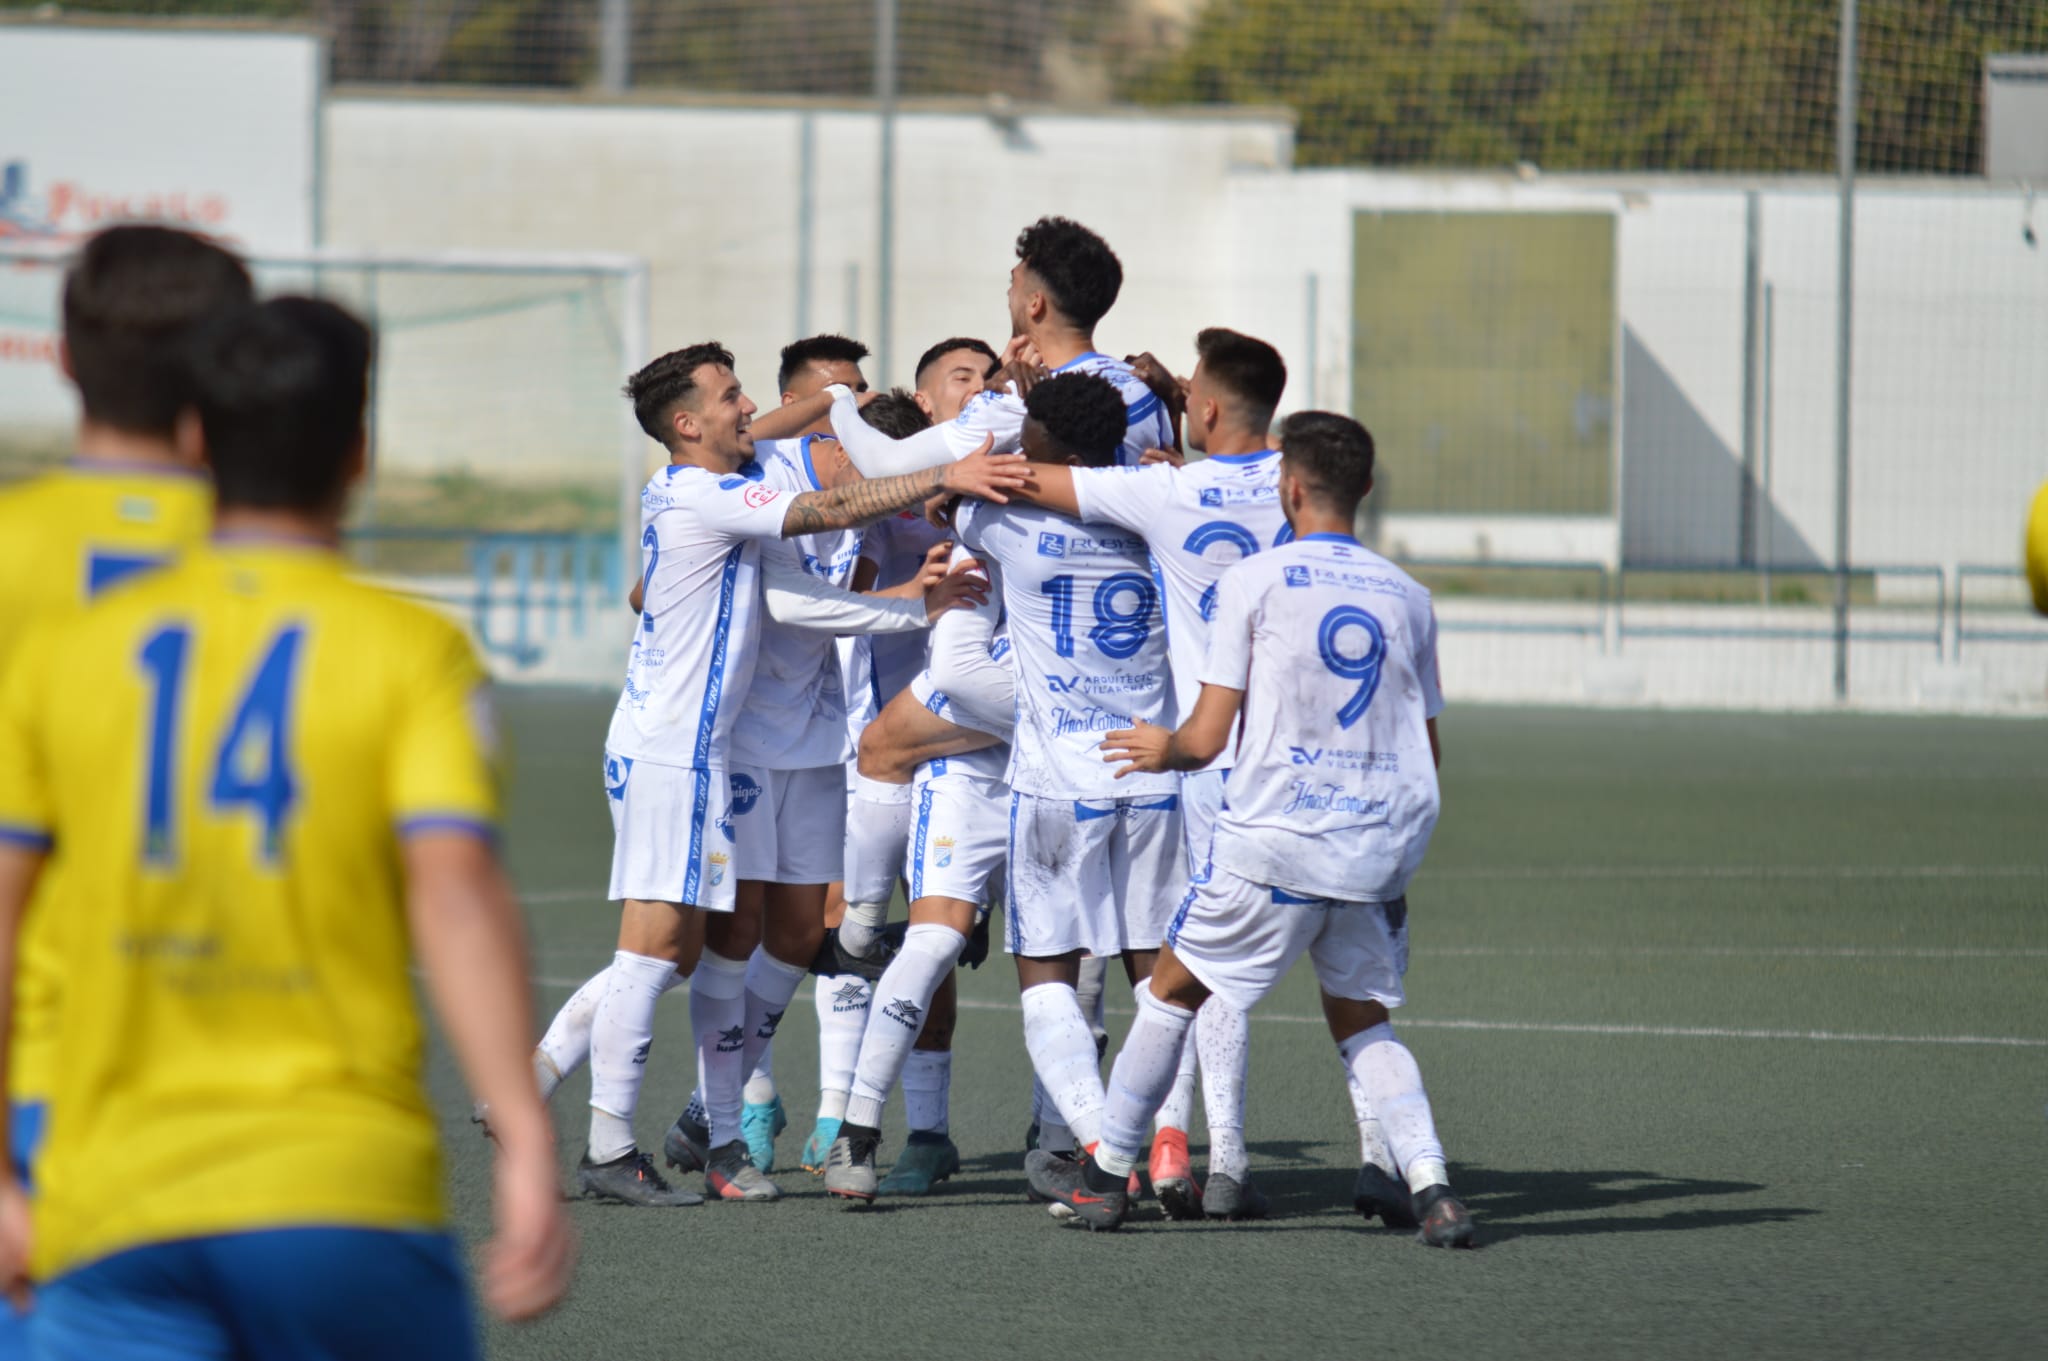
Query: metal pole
x,y
1770,548
1311,364
806,212
635,329
1845,290
614,45
853,299
885,226
1752,274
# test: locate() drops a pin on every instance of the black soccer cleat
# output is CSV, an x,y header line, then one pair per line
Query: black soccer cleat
x,y
1446,1223
1090,1195
1226,1197
630,1179
834,959
1377,1193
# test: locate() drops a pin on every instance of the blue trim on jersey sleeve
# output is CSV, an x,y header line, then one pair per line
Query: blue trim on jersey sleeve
x,y
1143,407
1241,458
448,822
810,468
31,838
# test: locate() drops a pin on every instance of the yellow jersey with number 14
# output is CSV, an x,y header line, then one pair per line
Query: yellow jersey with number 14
x,y
224,757
64,538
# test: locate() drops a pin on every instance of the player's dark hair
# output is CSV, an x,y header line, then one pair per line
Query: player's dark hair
x,y
896,414
832,349
656,390
280,388
1249,369
1083,416
1331,454
1080,272
946,347
131,302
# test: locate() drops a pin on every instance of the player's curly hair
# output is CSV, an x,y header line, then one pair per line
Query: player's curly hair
x,y
896,414
1083,415
1331,454
656,390
1080,272
833,349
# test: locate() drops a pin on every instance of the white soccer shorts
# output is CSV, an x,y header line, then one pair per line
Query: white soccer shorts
x,y
671,834
1201,800
959,834
1100,875
1241,938
790,825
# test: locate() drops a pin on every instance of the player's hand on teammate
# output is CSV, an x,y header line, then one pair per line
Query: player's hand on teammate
x,y
1141,748
987,475
965,587
1172,456
933,571
1171,390
938,510
15,1236
529,1259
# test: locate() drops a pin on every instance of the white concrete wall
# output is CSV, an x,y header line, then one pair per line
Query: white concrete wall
x,y
709,197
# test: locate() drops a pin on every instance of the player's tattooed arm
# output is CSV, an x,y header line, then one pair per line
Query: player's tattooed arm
x,y
1191,746
980,474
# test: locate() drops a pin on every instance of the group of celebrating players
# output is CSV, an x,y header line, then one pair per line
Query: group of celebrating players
x,y
1169,712
997,640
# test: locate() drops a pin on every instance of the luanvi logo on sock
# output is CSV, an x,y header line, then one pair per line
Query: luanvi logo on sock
x,y
905,1013
640,1054
850,996
768,1024
733,1040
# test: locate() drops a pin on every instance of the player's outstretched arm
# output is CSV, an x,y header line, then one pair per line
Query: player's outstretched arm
x,y
990,477
467,932
21,864
1191,746
878,455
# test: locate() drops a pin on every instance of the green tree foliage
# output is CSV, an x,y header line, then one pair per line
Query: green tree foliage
x,y
1699,85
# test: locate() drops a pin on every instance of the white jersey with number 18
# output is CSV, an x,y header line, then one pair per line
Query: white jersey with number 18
x,y
1334,793
1084,633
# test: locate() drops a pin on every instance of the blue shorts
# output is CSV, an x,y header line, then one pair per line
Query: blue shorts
x,y
24,1138
321,1294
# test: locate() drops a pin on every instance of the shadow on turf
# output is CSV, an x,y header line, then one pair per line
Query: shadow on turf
x,y
1511,1204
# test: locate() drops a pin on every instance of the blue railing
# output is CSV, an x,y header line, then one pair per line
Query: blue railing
x,y
548,583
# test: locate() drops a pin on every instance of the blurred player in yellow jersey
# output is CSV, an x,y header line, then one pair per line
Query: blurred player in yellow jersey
x,y
258,788
2037,549
128,501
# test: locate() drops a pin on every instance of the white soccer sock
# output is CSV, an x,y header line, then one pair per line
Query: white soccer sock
x,y
842,1019
930,951
1089,992
1053,1134
1179,1105
1145,1070
927,1090
1392,1085
877,839
760,1088
1223,1044
1063,1054
770,986
567,1042
1372,1143
718,1017
621,1030
566,1046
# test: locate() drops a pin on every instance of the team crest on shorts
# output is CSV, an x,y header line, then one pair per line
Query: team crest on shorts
x,y
942,851
717,861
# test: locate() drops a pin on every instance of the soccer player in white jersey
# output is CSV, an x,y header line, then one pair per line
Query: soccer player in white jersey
x,y
1095,866
1328,651
955,858
788,753
701,592
1065,279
